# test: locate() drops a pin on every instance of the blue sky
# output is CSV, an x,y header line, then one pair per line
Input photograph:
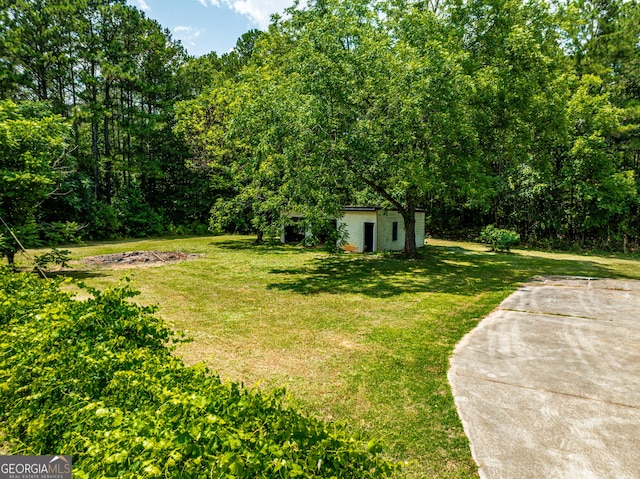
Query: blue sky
x,y
210,25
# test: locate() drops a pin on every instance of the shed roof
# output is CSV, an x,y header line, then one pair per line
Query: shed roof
x,y
361,208
374,208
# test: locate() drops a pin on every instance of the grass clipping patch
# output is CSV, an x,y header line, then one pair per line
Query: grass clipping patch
x,y
95,380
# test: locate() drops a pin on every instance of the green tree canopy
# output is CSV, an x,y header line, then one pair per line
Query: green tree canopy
x,y
33,159
355,95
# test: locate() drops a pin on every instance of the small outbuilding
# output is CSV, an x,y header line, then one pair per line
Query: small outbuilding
x,y
371,229
368,229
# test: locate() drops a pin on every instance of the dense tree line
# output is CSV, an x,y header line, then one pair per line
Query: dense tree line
x,y
519,114
109,78
499,112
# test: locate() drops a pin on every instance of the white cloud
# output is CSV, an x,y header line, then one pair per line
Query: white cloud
x,y
187,35
259,11
204,2
142,5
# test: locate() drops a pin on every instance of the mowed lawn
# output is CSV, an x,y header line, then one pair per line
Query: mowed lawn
x,y
364,339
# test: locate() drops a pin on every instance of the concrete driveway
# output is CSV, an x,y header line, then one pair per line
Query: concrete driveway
x,y
548,385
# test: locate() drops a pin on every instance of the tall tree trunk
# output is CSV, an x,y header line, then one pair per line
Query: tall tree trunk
x,y
76,127
127,176
95,153
409,217
107,142
94,130
43,88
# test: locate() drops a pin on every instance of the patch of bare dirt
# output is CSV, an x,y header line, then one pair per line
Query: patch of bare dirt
x,y
139,258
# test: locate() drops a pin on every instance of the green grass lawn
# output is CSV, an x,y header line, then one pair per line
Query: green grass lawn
x,y
360,338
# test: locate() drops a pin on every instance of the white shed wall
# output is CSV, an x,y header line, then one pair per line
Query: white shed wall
x,y
354,225
385,230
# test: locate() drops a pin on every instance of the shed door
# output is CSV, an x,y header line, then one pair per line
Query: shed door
x,y
368,237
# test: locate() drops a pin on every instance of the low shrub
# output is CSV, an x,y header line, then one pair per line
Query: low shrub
x,y
55,256
136,216
193,229
95,379
58,233
499,239
103,223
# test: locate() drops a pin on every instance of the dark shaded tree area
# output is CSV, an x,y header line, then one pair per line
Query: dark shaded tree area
x,y
557,118
114,76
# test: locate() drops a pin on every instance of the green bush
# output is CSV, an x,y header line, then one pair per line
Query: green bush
x,y
137,217
57,233
194,228
103,222
94,379
499,239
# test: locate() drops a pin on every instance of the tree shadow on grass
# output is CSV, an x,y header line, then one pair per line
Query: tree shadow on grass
x,y
263,248
440,270
76,274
